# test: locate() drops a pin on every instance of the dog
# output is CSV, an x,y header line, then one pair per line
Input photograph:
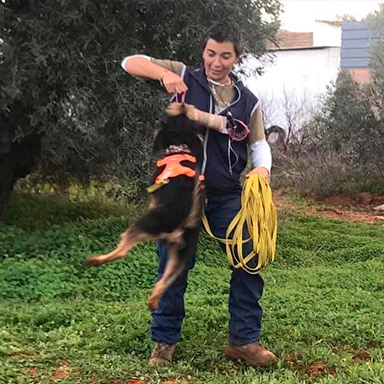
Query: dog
x,y
176,203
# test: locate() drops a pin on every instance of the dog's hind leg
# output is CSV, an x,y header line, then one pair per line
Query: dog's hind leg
x,y
129,239
173,268
180,253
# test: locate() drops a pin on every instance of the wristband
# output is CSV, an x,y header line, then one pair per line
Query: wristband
x,y
162,77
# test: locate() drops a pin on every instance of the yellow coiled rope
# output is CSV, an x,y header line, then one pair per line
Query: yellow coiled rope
x,y
258,213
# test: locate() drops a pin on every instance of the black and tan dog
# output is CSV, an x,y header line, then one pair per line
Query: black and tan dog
x,y
176,203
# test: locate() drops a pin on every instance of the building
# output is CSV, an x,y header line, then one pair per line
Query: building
x,y
303,65
355,42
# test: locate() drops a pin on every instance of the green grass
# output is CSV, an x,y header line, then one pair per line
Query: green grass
x,y
323,302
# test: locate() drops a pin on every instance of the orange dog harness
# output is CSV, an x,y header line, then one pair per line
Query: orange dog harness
x,y
173,168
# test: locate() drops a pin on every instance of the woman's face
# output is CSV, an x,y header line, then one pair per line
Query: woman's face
x,y
219,59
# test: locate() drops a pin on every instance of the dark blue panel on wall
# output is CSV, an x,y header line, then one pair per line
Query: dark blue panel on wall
x,y
356,34
352,44
355,41
354,63
353,53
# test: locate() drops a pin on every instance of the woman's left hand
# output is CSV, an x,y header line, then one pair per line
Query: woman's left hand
x,y
261,171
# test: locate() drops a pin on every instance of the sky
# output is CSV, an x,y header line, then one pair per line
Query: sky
x,y
299,15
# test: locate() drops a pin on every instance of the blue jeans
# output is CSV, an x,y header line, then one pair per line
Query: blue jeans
x,y
245,289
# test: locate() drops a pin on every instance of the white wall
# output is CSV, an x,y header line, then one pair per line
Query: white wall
x,y
299,75
325,35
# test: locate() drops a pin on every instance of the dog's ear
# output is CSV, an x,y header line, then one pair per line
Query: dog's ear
x,y
161,139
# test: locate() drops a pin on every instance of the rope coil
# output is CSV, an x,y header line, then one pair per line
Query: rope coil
x,y
258,214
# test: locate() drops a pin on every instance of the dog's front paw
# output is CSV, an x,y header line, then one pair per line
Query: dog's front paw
x,y
95,261
175,109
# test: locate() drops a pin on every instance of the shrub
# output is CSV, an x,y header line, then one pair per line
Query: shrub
x,y
341,150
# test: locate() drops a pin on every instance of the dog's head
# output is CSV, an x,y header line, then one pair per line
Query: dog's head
x,y
178,131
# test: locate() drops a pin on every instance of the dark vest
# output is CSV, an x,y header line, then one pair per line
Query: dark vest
x,y
225,159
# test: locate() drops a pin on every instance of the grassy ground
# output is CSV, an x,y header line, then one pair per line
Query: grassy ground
x,y
61,322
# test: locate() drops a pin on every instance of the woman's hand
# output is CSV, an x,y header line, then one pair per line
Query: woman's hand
x,y
261,171
173,83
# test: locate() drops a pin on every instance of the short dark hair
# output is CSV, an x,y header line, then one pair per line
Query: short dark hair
x,y
224,31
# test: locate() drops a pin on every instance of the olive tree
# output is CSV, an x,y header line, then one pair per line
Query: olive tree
x,y
66,106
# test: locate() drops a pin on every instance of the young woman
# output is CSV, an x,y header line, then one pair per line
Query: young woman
x,y
217,101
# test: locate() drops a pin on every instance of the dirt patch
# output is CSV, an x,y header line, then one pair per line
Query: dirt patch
x,y
362,200
346,215
280,201
356,209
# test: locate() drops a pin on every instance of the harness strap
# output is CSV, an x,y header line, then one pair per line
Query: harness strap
x,y
182,98
173,168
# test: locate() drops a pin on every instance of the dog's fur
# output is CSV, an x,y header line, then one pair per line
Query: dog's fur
x,y
175,209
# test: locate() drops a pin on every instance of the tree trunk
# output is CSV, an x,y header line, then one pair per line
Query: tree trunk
x,y
7,180
16,163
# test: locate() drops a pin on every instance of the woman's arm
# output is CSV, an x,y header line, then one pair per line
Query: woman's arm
x,y
141,66
260,149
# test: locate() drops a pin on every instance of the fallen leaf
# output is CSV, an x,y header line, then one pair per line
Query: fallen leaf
x,y
290,358
33,371
180,380
319,369
24,356
361,355
60,374
65,363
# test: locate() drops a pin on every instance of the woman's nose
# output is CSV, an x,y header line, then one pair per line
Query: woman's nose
x,y
217,62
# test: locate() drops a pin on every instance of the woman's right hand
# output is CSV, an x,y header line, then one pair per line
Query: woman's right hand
x,y
173,83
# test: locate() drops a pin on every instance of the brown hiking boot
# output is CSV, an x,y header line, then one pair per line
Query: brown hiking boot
x,y
162,354
253,354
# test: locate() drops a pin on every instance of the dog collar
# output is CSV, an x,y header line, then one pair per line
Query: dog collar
x,y
177,149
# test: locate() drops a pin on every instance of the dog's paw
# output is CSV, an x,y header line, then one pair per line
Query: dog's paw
x,y
94,261
153,303
175,109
